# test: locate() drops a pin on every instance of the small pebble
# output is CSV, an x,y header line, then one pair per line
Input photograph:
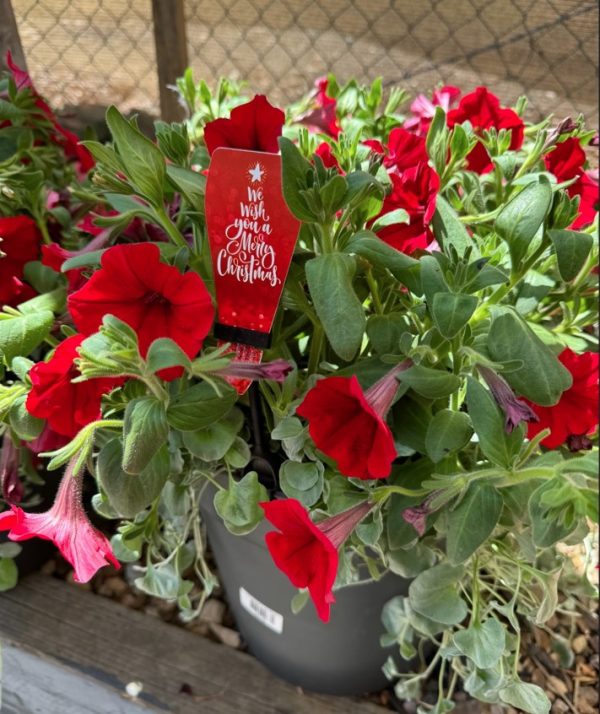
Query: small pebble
x,y
228,637
213,611
579,644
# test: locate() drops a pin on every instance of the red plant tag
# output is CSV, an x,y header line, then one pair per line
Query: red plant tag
x,y
252,235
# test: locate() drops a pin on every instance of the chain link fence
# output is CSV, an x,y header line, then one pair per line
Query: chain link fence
x,y
95,52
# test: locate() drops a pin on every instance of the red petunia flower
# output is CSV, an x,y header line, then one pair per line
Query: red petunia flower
x,y
405,150
307,552
67,526
566,162
423,109
254,126
348,425
323,116
576,413
153,298
415,190
20,241
66,406
61,136
324,152
483,110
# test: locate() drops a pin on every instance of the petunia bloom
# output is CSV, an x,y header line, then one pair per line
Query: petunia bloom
x,y
423,109
405,150
576,413
153,298
323,116
60,136
483,110
566,161
307,552
20,240
276,371
348,424
515,410
66,405
11,488
254,126
324,152
67,526
415,190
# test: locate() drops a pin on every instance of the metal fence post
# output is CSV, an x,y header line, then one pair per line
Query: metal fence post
x,y
171,53
9,36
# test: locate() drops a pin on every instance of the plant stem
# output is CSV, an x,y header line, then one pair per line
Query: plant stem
x,y
316,345
170,227
374,292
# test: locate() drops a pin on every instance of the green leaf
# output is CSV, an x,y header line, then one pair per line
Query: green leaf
x,y
238,455
472,522
572,249
482,643
542,378
448,229
163,582
448,431
481,274
9,574
303,481
83,260
451,312
129,494
432,279
55,301
329,280
384,332
546,523
105,155
200,406
521,218
238,505
24,424
404,268
288,428
143,162
434,594
332,194
295,170
19,336
145,430
215,440
164,353
409,562
410,423
527,697
487,420
190,183
391,218
430,383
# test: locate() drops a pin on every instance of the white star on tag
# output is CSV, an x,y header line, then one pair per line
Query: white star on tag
x,y
256,173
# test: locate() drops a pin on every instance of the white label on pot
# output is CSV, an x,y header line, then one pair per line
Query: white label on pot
x,y
269,618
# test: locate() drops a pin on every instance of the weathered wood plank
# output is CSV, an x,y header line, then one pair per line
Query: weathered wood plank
x,y
171,53
9,35
36,685
115,645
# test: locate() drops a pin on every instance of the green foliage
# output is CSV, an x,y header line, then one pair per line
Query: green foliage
x,y
238,504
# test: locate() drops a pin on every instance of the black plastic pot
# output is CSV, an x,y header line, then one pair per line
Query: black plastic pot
x,y
340,657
